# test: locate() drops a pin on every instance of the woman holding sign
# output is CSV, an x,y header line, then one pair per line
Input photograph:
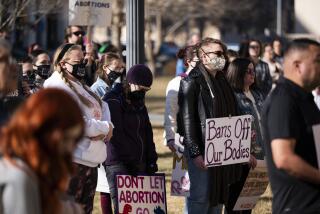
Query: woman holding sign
x,y
91,151
241,76
131,149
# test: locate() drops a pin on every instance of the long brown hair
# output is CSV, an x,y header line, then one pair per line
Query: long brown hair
x,y
106,59
28,136
59,57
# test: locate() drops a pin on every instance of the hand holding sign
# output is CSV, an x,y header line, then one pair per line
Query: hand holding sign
x,y
228,140
198,161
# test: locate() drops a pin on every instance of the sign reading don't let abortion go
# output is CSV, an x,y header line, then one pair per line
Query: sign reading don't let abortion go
x,y
228,140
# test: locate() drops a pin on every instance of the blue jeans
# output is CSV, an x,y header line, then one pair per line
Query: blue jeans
x,y
198,201
111,172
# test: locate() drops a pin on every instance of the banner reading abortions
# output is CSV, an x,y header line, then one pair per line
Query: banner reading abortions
x,y
180,182
90,13
142,194
228,140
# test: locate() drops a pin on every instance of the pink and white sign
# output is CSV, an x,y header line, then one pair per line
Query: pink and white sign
x,y
141,194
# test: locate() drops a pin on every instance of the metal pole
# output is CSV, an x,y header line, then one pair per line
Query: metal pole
x,y
135,33
279,16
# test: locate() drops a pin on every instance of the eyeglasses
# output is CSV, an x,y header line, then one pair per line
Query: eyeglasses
x,y
217,53
254,46
78,33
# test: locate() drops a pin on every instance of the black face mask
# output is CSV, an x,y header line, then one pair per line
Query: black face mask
x,y
78,70
43,71
112,76
136,95
30,78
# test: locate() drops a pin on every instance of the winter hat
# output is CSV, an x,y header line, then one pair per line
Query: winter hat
x,y
140,75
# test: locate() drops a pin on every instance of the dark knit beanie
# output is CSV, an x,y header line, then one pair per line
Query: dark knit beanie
x,y
140,75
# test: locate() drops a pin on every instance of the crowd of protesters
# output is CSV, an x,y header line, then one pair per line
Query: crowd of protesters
x,y
67,125
70,123
272,85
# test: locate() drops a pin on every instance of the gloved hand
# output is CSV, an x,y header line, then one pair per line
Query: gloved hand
x,y
152,168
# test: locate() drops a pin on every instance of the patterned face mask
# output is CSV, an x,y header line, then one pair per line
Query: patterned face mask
x,y
217,63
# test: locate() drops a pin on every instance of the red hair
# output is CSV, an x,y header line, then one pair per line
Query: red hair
x,y
28,136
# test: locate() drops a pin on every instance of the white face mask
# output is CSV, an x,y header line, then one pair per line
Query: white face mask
x,y
217,63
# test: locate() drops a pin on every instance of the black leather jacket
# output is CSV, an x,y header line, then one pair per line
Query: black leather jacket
x,y
196,105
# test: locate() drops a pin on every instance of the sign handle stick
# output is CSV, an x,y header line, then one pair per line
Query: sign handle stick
x,y
89,33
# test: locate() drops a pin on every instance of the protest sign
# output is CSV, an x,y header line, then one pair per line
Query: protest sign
x,y
316,135
90,13
141,194
227,140
180,182
255,185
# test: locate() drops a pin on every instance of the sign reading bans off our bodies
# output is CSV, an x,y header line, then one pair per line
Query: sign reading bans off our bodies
x,y
90,13
142,194
228,140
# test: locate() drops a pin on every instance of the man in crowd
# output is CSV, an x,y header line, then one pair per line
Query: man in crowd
x,y
288,117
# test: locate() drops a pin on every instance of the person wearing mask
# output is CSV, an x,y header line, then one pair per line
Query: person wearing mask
x,y
36,155
41,68
206,94
69,69
131,149
110,68
288,116
181,67
263,77
76,35
190,59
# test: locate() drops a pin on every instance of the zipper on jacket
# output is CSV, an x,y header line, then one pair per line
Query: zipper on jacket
x,y
140,138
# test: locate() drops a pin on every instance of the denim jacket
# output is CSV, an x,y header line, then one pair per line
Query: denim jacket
x,y
100,87
247,107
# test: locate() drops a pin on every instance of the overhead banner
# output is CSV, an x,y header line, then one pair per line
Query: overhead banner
x,y
141,194
228,140
255,185
180,182
90,13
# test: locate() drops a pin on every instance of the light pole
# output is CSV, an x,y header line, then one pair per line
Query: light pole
x,y
135,32
279,16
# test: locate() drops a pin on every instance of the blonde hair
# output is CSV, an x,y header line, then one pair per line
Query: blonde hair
x,y
57,58
106,59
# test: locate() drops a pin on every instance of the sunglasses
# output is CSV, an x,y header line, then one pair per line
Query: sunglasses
x,y
217,53
78,33
254,46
